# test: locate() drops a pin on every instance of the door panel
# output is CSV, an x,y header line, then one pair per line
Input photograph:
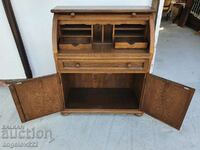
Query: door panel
x,y
166,100
37,97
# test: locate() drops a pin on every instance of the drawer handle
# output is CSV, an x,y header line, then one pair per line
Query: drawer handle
x,y
133,14
77,65
72,14
129,65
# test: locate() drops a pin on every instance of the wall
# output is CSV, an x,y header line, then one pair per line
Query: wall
x,y
157,29
35,24
10,63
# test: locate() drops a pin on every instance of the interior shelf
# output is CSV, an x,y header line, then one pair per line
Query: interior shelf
x,y
73,26
102,91
76,33
130,27
76,30
99,37
105,98
68,28
128,33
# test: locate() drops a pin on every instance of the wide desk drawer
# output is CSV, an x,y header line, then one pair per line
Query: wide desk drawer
x,y
103,66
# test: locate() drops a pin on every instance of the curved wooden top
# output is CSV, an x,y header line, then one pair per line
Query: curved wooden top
x,y
102,9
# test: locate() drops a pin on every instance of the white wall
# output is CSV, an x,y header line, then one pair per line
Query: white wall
x,y
157,29
35,24
159,16
10,63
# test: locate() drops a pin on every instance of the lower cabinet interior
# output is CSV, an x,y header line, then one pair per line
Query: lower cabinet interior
x,y
102,91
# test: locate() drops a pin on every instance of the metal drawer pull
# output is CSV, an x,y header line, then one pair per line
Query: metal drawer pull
x,y
72,14
129,65
77,65
134,14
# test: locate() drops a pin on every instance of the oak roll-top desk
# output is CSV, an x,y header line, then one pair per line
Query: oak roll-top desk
x,y
103,57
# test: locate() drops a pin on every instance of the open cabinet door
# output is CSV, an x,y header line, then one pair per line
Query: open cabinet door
x,y
166,100
37,97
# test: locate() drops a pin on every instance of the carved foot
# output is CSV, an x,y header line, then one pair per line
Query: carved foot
x,y
139,114
65,113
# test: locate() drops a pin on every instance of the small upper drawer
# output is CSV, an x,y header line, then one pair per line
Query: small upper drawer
x,y
75,47
103,66
125,45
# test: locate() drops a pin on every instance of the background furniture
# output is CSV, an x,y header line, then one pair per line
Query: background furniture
x,y
193,20
167,8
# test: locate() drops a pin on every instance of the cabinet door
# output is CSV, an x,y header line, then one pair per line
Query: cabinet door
x,y
37,97
166,100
